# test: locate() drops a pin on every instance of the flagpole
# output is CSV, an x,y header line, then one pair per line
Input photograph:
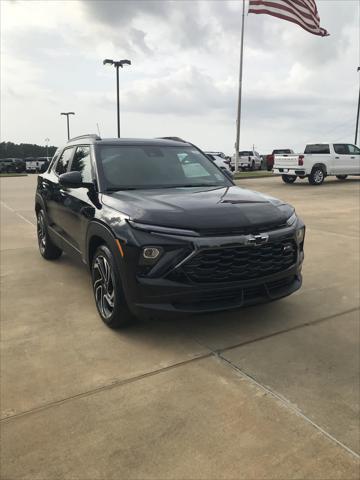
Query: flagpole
x,y
237,143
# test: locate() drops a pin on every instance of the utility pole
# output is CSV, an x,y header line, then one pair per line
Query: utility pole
x,y
117,65
67,121
357,115
237,142
47,140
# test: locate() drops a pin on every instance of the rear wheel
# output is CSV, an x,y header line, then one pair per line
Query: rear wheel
x,y
108,291
341,177
317,176
288,178
47,248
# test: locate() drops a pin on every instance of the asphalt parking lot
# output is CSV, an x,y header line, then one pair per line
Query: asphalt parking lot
x,y
267,392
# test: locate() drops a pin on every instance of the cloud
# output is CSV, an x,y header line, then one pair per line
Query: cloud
x,y
184,72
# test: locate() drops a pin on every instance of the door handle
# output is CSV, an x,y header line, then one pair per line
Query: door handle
x,y
337,158
352,157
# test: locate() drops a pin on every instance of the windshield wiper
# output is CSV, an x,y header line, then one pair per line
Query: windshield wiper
x,y
119,189
198,185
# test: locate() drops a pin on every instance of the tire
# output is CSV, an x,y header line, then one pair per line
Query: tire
x,y
252,166
47,248
108,292
341,177
317,176
288,178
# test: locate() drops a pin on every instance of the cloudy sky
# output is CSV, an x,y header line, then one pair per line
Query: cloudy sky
x,y
297,87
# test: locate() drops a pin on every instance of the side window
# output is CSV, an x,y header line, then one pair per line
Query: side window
x,y
82,163
341,149
63,162
353,149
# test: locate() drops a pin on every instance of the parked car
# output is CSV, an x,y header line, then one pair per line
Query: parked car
x,y
248,160
318,161
270,158
163,230
37,164
221,163
12,165
218,154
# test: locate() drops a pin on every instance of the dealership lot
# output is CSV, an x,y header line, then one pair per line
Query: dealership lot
x,y
265,392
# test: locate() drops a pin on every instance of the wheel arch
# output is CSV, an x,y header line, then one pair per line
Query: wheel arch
x,y
39,203
98,234
321,165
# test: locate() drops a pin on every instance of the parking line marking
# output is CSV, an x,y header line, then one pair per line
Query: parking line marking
x,y
17,213
288,404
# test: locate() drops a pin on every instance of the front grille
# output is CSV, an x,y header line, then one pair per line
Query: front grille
x,y
225,298
241,263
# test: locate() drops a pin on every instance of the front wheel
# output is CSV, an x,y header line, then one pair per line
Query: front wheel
x,y
288,178
47,248
341,177
317,176
252,165
108,291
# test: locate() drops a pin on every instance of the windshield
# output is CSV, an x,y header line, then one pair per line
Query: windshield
x,y
245,154
146,166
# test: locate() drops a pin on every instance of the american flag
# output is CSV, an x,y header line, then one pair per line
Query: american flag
x,y
302,12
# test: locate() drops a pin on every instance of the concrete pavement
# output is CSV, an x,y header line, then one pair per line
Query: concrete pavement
x,y
264,392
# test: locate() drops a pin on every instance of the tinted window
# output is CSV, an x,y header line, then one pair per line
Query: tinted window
x,y
285,151
156,167
317,148
245,153
63,162
82,163
353,149
341,148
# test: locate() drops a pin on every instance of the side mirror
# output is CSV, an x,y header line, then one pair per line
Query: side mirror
x,y
73,180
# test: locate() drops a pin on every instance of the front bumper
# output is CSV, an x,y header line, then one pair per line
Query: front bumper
x,y
148,296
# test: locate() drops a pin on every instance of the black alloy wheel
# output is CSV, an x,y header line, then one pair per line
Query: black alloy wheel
x,y
46,247
108,291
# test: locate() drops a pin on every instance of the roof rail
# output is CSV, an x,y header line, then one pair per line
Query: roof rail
x,y
175,139
88,135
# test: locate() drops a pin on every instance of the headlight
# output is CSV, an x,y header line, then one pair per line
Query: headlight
x,y
163,230
291,220
300,234
150,255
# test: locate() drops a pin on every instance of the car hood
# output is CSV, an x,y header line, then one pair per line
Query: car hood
x,y
200,208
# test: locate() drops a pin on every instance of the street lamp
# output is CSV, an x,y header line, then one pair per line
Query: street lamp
x,y
67,121
47,140
117,64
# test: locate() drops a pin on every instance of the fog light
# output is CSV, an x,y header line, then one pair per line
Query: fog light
x,y
300,234
151,253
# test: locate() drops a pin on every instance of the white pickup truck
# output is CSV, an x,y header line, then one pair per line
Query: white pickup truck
x,y
318,161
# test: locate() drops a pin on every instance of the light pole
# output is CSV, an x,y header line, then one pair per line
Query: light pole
x,y
357,116
117,64
47,140
67,121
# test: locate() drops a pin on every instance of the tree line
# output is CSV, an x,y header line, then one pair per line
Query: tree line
x,y
23,150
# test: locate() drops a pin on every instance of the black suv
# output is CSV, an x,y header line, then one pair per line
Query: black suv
x,y
163,230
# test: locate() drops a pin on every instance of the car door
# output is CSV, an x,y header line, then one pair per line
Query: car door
x,y
354,159
80,203
55,194
341,163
